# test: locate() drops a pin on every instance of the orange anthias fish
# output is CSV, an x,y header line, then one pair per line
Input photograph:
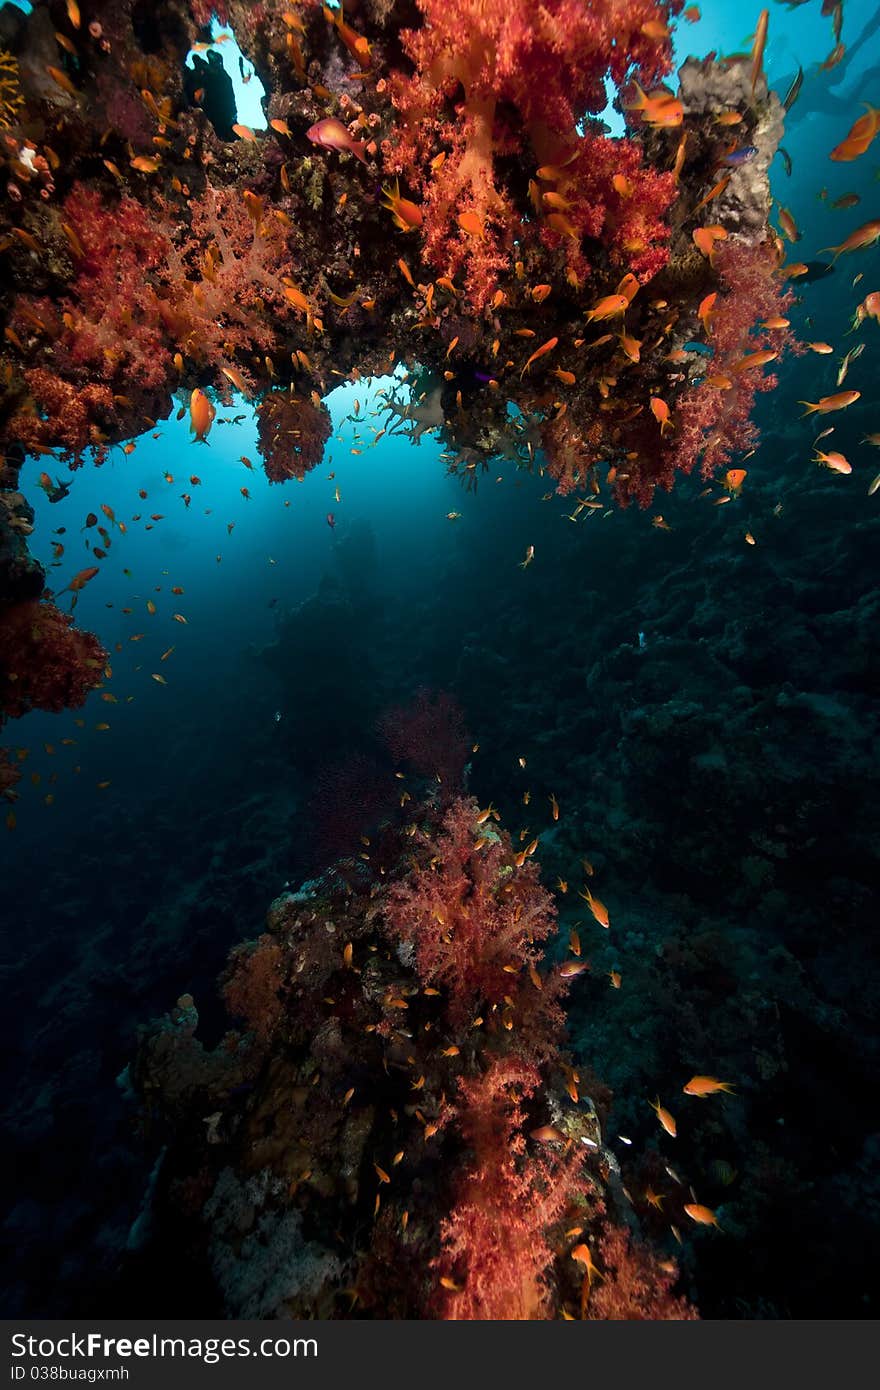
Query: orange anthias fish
x,y
758,46
704,1216
788,225
755,359
333,135
707,1086
706,237
704,313
80,580
840,401
660,411
659,108
733,481
539,352
858,240
608,307
406,214
838,463
201,414
359,47
663,1115
859,138
597,907
472,224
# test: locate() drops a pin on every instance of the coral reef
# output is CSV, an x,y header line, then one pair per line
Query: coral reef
x,y
389,1137
161,249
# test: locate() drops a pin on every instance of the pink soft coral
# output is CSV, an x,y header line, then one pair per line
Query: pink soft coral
x,y
634,1285
498,1246
475,920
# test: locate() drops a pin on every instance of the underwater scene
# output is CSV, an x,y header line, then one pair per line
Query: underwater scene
x,y
439,612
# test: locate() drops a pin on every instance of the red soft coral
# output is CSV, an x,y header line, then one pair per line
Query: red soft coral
x,y
62,416
634,1285
45,662
116,330
509,82
713,423
498,1240
474,919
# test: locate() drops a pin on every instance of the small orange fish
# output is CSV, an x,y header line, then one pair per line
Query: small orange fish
x,y
472,224
758,45
706,237
755,359
788,225
663,1115
714,192
331,134
570,968
80,580
706,1086
704,1216
833,58
407,215
60,78
859,137
201,413
608,307
660,411
539,352
704,313
858,240
659,108
734,479
597,907
838,463
547,1134
840,401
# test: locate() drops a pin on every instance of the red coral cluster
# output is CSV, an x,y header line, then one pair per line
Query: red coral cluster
x,y
63,415
503,1236
116,327
711,420
292,433
404,1096
474,921
500,83
45,662
634,1286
